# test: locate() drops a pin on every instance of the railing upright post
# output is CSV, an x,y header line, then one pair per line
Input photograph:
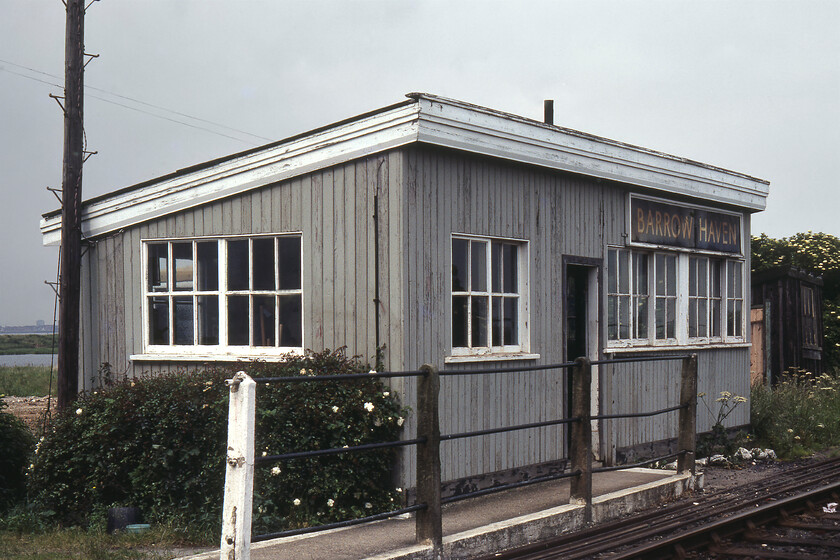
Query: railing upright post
x,y
429,528
580,446
239,470
687,438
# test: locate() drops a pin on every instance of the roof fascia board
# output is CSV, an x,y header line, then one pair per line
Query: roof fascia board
x,y
351,140
453,124
433,120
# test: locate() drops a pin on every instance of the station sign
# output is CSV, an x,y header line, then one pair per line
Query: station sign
x,y
659,223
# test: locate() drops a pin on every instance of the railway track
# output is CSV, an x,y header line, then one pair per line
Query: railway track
x,y
782,517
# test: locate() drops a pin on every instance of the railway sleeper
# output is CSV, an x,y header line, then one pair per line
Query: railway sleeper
x,y
727,551
765,537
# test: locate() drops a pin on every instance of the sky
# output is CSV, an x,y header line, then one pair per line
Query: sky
x,y
750,86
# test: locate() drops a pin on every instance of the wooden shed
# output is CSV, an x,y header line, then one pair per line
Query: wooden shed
x,y
446,233
788,335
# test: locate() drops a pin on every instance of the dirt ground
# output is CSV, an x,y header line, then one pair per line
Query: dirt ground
x,y
30,409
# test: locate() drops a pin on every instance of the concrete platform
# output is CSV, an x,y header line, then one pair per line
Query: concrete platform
x,y
487,524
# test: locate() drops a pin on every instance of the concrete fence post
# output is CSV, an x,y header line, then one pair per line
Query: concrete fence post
x,y
429,528
580,446
687,437
239,472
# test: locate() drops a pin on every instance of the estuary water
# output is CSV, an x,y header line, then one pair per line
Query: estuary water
x,y
28,360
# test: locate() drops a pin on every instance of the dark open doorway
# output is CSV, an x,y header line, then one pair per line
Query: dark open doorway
x,y
581,278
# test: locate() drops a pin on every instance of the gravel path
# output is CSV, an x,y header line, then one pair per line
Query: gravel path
x,y
30,409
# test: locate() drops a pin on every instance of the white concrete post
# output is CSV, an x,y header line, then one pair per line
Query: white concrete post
x,y
239,473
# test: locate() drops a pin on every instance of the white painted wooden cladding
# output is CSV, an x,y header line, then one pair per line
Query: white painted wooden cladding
x,y
424,195
649,386
333,209
449,192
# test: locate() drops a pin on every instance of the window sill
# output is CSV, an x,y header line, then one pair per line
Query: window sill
x,y
210,357
490,358
675,347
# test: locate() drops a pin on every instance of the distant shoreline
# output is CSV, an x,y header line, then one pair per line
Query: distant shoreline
x,y
16,344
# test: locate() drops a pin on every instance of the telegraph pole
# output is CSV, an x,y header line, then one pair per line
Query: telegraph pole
x,y
71,206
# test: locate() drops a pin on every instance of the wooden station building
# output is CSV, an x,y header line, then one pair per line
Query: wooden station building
x,y
445,233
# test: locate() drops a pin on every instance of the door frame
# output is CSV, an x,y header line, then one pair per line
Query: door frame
x,y
594,312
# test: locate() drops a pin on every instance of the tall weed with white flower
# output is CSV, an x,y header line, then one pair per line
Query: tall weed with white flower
x,y
718,440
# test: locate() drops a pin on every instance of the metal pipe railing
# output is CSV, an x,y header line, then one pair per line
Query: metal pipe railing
x,y
236,528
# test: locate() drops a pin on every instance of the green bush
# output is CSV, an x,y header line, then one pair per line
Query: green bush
x,y
16,443
801,414
159,444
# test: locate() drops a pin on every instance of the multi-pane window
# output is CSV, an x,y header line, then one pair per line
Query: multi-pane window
x,y
628,289
665,273
734,299
487,289
704,297
240,292
695,298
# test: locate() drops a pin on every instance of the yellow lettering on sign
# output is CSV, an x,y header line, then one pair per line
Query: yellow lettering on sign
x,y
640,220
688,227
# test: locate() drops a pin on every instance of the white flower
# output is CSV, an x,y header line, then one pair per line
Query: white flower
x,y
369,406
296,502
331,502
386,393
275,471
264,453
78,412
400,421
372,371
398,489
368,505
303,371
335,408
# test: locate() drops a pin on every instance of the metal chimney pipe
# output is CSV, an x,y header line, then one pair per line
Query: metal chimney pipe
x,y
548,111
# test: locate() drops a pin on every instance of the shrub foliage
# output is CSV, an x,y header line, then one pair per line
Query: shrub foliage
x,y
801,414
16,443
158,443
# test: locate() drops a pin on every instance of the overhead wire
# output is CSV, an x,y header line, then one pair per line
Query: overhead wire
x,y
127,98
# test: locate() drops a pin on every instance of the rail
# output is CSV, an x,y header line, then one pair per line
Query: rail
x,y
240,463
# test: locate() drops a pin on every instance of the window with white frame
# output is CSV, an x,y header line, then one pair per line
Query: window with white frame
x,y
696,299
236,295
489,279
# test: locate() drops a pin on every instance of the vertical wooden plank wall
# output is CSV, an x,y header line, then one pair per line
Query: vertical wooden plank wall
x,y
422,196
450,192
334,211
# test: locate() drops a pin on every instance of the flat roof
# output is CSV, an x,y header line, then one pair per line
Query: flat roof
x,y
422,118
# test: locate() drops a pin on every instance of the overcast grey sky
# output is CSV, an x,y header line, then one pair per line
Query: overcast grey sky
x,y
751,86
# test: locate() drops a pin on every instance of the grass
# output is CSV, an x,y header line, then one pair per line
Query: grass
x,y
799,416
28,344
25,381
61,544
